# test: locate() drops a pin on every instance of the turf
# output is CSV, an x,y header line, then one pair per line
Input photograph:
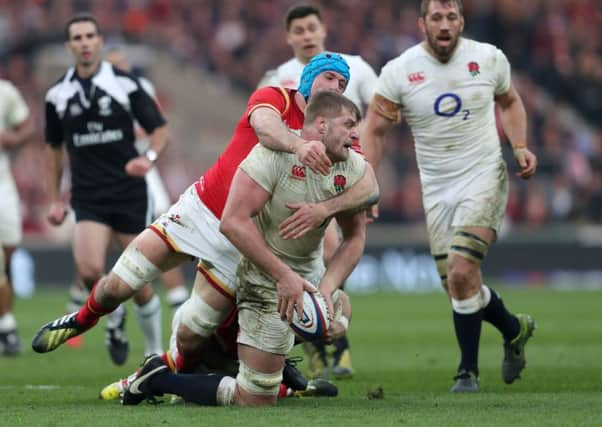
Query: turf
x,y
402,343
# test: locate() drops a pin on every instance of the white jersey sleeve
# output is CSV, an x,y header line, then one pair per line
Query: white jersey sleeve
x,y
502,69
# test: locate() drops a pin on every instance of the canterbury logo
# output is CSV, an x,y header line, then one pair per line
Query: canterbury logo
x,y
298,172
415,78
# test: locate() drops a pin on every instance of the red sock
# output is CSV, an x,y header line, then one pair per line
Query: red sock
x,y
184,366
88,315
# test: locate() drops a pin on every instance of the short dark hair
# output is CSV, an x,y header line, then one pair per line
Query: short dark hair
x,y
301,11
329,104
424,6
80,17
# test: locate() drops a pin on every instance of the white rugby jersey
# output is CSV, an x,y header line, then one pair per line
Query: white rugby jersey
x,y
13,111
449,107
281,175
360,88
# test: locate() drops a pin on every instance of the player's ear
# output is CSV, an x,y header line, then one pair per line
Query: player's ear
x,y
422,25
322,125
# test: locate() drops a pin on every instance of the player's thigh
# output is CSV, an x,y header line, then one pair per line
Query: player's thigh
x,y
259,320
91,242
190,227
483,202
155,250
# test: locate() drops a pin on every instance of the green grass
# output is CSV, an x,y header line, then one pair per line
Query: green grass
x,y
404,343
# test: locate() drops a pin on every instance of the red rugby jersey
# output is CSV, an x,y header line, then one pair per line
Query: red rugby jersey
x,y
214,185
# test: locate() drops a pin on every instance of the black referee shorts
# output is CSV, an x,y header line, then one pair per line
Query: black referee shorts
x,y
130,217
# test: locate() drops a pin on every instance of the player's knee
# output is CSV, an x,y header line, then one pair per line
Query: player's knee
x,y
134,268
200,317
259,388
459,274
188,343
89,273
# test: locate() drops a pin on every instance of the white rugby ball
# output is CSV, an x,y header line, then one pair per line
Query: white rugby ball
x,y
315,321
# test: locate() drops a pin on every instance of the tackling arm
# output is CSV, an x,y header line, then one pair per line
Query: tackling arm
x,y
308,216
273,134
245,200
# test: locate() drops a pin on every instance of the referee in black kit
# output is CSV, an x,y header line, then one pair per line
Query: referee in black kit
x,y
91,110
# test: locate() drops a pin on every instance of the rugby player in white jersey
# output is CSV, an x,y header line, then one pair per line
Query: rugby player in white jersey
x,y
16,127
306,34
274,272
447,88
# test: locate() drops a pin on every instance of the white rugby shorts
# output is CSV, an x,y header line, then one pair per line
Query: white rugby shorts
x,y
189,227
478,200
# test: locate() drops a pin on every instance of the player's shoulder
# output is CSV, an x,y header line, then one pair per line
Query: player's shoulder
x,y
483,49
288,66
409,56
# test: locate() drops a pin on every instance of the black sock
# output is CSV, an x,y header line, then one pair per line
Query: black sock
x,y
197,388
340,345
468,333
496,313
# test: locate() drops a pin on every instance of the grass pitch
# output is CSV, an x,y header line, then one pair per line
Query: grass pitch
x,y
402,343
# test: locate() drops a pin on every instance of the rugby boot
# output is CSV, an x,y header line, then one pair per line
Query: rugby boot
x,y
514,351
291,376
55,333
116,337
10,343
466,382
136,391
342,368
318,387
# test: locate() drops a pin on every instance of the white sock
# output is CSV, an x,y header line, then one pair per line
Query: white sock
x,y
149,319
8,322
177,296
114,318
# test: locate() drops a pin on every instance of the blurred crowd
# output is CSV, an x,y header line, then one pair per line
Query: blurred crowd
x,y
554,46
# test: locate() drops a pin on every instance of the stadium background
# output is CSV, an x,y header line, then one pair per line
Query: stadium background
x,y
205,57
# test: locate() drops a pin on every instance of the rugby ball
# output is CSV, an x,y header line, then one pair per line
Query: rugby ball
x,y
314,322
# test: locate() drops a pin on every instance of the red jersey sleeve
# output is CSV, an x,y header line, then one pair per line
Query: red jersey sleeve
x,y
275,98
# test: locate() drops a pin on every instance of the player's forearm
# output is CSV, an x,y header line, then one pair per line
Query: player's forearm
x,y
54,172
159,139
344,261
273,133
363,194
514,122
246,238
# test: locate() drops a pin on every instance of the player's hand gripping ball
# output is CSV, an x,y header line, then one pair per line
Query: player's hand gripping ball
x,y
315,321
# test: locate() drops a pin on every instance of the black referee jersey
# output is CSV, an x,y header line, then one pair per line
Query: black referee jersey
x,y
95,118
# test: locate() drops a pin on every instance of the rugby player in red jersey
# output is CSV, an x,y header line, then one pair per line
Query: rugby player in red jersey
x,y
190,228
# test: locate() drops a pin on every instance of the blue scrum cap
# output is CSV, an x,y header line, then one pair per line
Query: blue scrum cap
x,y
326,61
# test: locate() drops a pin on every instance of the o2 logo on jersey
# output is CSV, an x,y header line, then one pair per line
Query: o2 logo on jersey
x,y
450,99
